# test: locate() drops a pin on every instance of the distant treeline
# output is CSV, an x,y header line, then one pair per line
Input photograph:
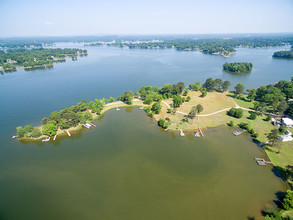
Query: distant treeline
x,y
35,57
207,46
242,67
20,45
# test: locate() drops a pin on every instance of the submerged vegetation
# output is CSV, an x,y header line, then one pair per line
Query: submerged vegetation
x,y
242,67
30,58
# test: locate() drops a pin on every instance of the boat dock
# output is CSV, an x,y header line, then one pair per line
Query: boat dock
x,y
54,137
262,162
181,133
236,133
87,125
92,124
68,133
201,132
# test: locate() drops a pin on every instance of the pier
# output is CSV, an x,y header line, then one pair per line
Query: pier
x,y
236,133
92,124
262,162
181,133
68,133
54,137
201,132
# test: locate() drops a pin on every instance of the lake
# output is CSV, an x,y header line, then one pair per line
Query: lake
x,y
127,168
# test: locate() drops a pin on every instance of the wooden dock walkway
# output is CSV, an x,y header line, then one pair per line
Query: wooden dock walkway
x,y
236,133
201,132
92,124
262,162
181,133
68,133
54,137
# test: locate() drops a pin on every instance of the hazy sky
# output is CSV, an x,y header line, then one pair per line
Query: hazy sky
x,y
89,17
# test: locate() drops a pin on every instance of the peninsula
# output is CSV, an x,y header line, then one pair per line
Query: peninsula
x,y
12,59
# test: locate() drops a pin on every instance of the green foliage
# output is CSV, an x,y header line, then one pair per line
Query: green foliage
x,y
127,97
195,86
283,54
36,133
35,57
188,99
235,112
162,123
199,108
50,128
231,123
243,125
272,215
282,129
273,135
177,101
192,112
203,92
252,116
169,110
216,85
20,132
156,108
241,67
287,202
268,118
239,88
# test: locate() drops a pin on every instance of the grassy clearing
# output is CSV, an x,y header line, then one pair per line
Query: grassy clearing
x,y
213,102
241,102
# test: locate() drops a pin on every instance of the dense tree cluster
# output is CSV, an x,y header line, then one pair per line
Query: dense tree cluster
x,y
241,67
284,54
235,112
20,45
216,85
35,57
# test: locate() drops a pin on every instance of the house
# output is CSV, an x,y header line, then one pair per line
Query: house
x,y
288,122
285,138
288,133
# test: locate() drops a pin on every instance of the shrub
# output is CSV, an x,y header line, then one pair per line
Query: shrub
x,y
156,108
252,115
235,112
268,118
36,133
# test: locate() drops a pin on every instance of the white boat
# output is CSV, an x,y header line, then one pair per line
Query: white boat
x,y
13,137
117,109
46,139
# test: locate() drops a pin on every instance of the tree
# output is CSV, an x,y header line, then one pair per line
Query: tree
x,y
199,108
203,92
162,123
235,112
273,136
225,85
218,84
188,98
192,113
127,97
282,106
156,108
209,85
251,94
268,118
252,115
287,202
195,86
36,133
177,101
239,88
50,128
20,132
44,120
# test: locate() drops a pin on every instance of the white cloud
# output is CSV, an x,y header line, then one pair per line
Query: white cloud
x,y
48,23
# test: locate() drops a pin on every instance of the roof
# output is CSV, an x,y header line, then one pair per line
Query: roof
x,y
285,138
287,121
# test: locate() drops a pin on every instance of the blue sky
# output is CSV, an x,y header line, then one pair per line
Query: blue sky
x,y
88,17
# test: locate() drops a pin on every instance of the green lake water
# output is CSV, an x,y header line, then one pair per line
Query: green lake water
x,y
127,167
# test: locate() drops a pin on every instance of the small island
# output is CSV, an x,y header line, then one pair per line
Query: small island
x,y
284,54
12,59
241,67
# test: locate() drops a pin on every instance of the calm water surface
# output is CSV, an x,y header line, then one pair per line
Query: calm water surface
x,y
127,168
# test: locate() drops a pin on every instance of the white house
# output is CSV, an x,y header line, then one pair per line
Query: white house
x,y
288,122
285,138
